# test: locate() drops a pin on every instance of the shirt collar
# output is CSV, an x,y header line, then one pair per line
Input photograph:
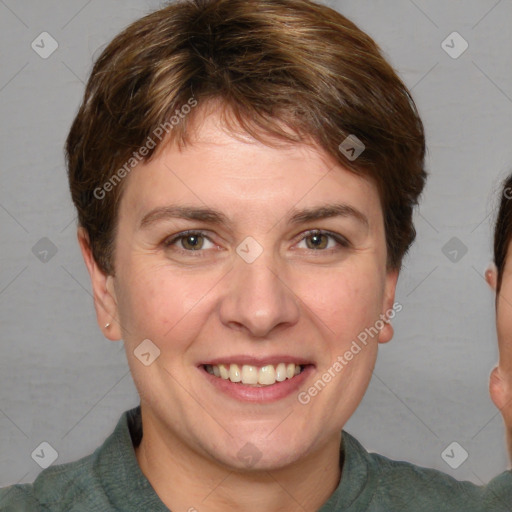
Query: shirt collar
x,y
118,469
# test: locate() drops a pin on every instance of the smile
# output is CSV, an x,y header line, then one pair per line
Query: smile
x,y
253,375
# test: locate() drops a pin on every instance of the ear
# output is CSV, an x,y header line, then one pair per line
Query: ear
x,y
501,395
105,301
491,275
388,311
497,389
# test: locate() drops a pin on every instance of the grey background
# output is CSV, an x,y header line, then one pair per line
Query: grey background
x,y
63,383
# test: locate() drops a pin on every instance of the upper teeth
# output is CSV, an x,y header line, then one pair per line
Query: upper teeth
x,y
248,374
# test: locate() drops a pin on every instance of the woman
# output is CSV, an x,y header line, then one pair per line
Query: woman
x,y
245,174
499,277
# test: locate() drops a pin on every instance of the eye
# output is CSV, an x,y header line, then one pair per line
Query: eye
x,y
319,240
190,241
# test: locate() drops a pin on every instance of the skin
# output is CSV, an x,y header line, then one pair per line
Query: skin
x,y
500,382
293,299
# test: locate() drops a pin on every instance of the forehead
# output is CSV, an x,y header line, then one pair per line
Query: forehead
x,y
228,170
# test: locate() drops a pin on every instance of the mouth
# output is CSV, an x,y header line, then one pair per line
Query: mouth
x,y
255,376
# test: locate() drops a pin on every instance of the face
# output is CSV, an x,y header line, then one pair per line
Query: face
x,y
263,280
501,377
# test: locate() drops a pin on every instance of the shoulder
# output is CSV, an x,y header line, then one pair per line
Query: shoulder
x,y
65,487
402,484
92,483
18,498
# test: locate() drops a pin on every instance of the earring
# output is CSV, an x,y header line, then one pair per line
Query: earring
x,y
107,325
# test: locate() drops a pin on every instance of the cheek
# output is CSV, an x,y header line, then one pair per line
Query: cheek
x,y
504,320
346,301
504,330
155,301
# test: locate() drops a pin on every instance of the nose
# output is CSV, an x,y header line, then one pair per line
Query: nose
x,y
257,297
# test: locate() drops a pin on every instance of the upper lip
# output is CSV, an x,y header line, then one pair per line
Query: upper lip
x,y
257,361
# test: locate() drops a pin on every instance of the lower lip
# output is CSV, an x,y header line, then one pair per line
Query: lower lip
x,y
264,394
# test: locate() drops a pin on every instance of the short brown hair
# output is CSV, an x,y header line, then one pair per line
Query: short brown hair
x,y
271,63
503,230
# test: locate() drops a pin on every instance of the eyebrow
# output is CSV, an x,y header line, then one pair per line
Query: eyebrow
x,y
216,217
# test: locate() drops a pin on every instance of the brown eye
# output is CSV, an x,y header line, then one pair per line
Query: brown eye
x,y
324,241
192,242
188,242
318,241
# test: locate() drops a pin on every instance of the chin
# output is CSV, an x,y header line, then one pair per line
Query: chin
x,y
251,457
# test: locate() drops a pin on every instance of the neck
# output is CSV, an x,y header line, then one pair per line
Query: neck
x,y
186,480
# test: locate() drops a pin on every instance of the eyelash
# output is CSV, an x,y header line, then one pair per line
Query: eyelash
x,y
340,240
